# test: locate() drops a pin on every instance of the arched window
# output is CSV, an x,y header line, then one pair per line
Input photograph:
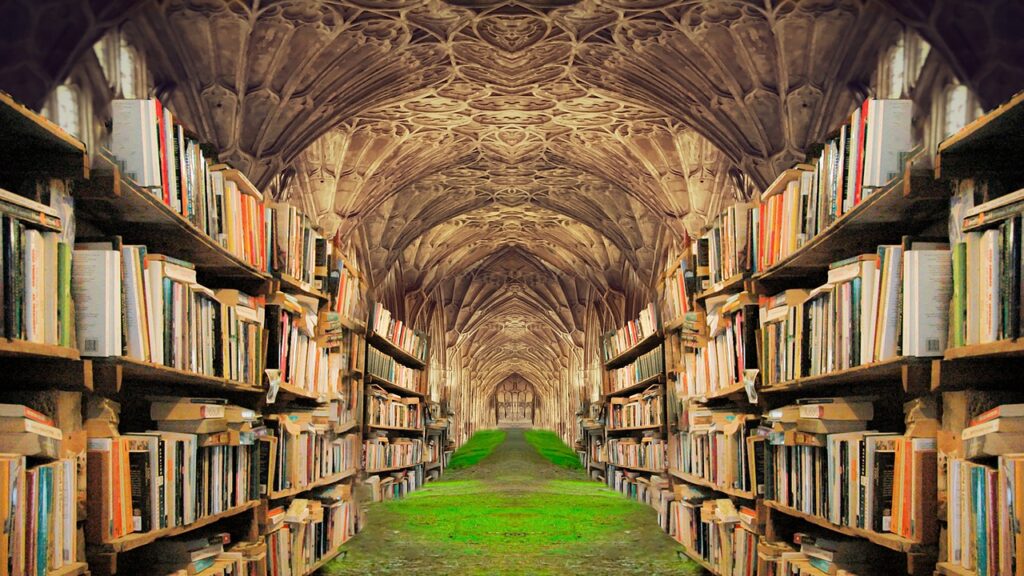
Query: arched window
x,y
892,71
958,108
122,65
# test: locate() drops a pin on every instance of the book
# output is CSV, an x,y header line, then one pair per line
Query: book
x,y
96,289
1001,411
1004,424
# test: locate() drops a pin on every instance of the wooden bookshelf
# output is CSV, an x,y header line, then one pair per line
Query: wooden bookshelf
x,y
341,429
393,468
325,481
642,347
885,540
353,324
950,569
733,285
138,540
638,469
323,561
906,205
394,428
73,569
31,144
693,555
988,146
729,392
392,387
303,394
638,387
292,285
118,206
32,365
914,374
111,374
391,349
691,479
988,351
597,465
635,428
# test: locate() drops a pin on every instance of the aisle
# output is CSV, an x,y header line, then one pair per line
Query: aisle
x,y
514,513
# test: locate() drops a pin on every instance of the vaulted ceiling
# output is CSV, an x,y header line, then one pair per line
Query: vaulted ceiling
x,y
513,164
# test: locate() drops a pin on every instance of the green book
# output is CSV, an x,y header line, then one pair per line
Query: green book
x,y
65,314
958,320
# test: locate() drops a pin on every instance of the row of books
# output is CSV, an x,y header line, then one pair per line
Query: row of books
x,y
159,154
200,461
647,453
714,529
385,367
985,513
647,366
295,349
39,507
396,332
346,409
724,250
343,287
396,485
151,308
643,409
303,449
729,350
865,155
874,308
643,326
383,453
309,530
300,252
719,446
393,411
643,487
680,287
35,290
207,554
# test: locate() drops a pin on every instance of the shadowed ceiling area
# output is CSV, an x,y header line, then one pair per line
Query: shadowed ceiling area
x,y
514,175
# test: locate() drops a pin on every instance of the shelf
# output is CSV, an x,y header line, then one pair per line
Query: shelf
x,y
117,205
29,143
699,559
391,386
994,365
890,541
598,465
950,569
342,428
323,561
391,349
989,145
75,569
110,375
352,324
432,466
912,372
731,286
395,428
638,387
636,428
302,393
292,285
326,481
642,347
138,540
393,468
906,205
637,469
744,494
724,393
988,351
33,365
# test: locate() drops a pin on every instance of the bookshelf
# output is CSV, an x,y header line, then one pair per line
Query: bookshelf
x,y
31,144
626,357
987,146
111,375
138,540
697,480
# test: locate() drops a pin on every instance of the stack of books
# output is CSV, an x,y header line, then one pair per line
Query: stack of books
x,y
730,348
159,154
717,446
647,453
385,367
191,554
35,296
393,411
644,409
396,332
303,449
295,349
631,334
647,366
726,245
382,453
865,155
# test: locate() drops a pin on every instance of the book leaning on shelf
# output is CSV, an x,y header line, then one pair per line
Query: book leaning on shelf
x,y
642,410
151,308
865,155
395,331
631,334
159,154
310,530
35,291
874,307
385,367
719,446
714,529
305,450
647,366
294,347
730,348
393,411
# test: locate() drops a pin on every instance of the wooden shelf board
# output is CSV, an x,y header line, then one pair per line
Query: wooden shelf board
x,y
638,469
32,365
301,393
638,387
890,541
693,555
877,371
123,369
642,347
391,386
117,205
950,569
138,540
24,349
352,324
597,465
744,494
29,142
635,428
394,428
392,468
327,481
911,200
292,285
323,561
731,286
734,390
391,349
75,569
991,350
346,426
988,145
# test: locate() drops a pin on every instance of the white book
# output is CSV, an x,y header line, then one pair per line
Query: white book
x,y
989,286
32,260
973,333
51,334
168,151
889,135
131,140
889,312
96,287
134,304
927,289
155,299
851,168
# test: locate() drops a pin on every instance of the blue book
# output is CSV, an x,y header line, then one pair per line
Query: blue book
x,y
45,505
979,489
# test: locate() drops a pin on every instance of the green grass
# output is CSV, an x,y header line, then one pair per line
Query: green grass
x,y
478,447
551,447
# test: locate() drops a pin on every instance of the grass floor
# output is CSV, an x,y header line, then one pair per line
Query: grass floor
x,y
521,510
478,447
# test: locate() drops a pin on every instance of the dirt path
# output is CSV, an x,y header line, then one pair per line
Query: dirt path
x,y
514,513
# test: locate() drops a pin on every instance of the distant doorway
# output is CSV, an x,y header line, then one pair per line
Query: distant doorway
x,y
515,403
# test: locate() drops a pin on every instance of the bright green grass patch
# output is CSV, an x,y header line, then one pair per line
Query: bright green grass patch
x,y
550,446
478,447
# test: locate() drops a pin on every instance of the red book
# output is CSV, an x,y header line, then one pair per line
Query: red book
x,y
162,145
861,139
1003,411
